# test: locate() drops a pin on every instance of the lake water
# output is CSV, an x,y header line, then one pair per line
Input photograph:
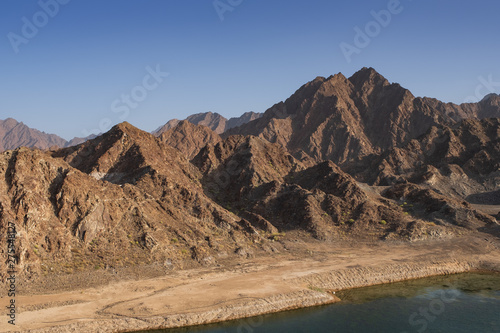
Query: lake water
x,y
468,303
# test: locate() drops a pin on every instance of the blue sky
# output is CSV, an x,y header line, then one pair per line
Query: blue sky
x,y
69,77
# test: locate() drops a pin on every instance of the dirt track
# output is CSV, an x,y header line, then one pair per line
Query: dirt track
x,y
262,285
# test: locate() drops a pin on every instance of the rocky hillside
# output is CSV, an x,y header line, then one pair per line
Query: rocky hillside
x,y
461,160
214,121
342,119
188,138
342,159
124,198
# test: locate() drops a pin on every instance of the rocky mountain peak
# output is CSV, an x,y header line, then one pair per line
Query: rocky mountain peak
x,y
368,77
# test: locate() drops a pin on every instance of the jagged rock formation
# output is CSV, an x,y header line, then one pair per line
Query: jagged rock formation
x,y
214,121
342,119
274,191
460,161
121,199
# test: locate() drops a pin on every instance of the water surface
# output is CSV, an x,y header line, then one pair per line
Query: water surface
x,y
462,303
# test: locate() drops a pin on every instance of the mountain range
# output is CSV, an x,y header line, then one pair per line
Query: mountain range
x,y
355,158
14,134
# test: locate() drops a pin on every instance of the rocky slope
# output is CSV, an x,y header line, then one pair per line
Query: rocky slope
x,y
188,138
124,198
459,161
214,121
275,192
342,119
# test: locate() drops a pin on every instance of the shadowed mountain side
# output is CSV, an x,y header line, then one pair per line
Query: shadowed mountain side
x,y
342,119
274,191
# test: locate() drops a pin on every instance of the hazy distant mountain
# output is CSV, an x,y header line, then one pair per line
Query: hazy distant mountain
x,y
15,134
76,141
214,121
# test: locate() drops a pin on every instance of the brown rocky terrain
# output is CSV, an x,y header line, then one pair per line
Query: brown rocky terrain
x,y
459,161
188,138
124,198
343,162
128,198
214,121
342,119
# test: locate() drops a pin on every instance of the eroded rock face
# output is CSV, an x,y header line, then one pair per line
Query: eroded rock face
x,y
132,200
274,191
343,119
458,161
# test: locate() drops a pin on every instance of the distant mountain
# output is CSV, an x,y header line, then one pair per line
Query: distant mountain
x,y
343,119
214,121
76,140
14,134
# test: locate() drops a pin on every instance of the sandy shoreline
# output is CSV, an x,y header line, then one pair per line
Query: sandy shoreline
x,y
254,287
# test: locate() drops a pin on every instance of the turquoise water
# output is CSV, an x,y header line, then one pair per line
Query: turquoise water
x,y
467,303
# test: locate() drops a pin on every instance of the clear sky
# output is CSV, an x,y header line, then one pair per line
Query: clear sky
x,y
72,73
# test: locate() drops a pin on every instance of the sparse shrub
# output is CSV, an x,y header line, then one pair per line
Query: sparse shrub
x,y
174,240
351,221
383,222
321,290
